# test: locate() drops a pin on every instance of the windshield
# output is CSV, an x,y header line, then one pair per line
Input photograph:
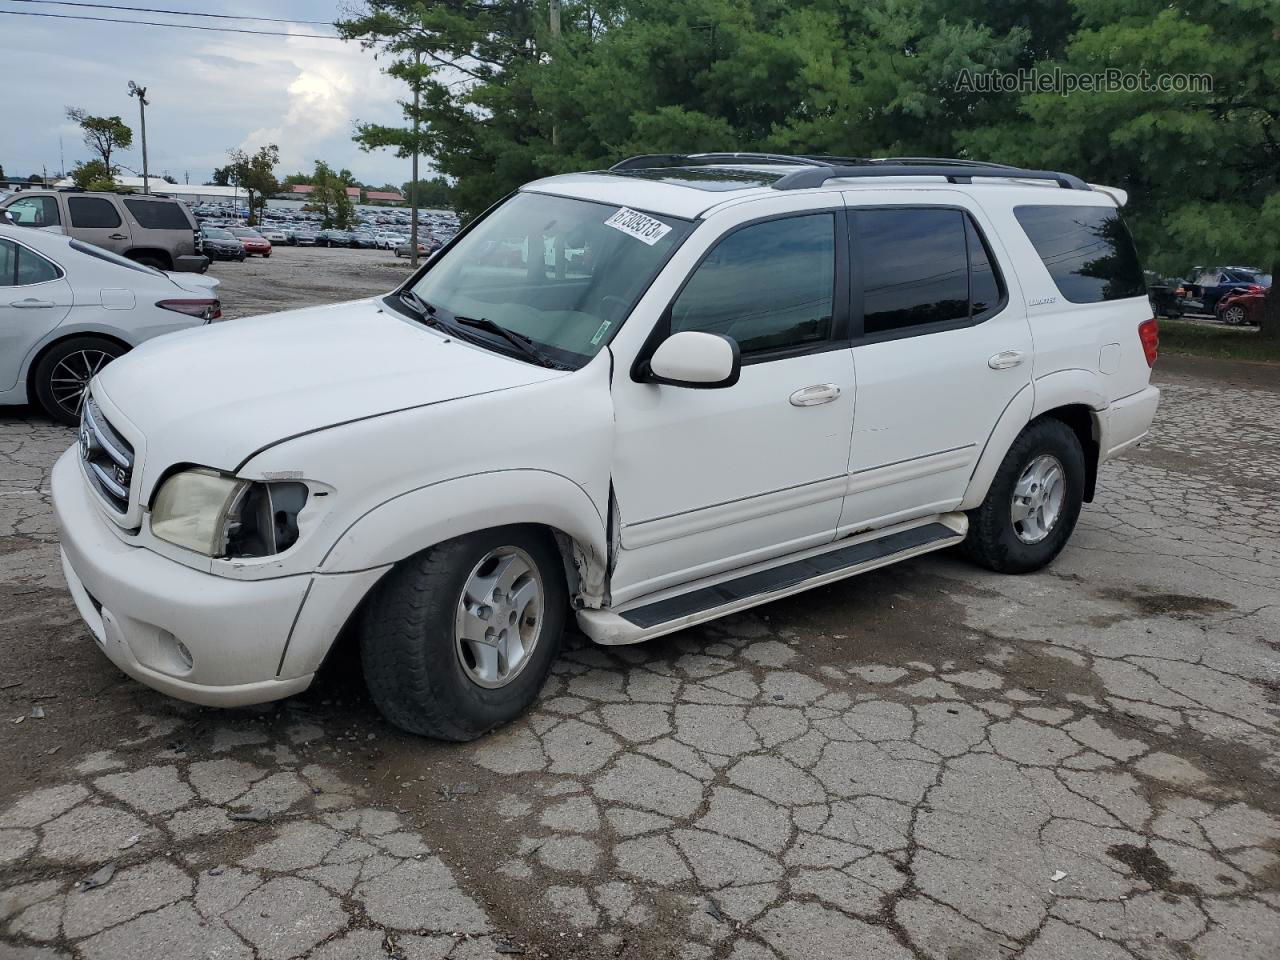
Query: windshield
x,y
564,273
213,233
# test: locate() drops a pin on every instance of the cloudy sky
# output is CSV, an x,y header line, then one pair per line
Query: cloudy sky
x,y
208,92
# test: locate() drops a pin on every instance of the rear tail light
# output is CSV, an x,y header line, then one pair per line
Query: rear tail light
x,y
1149,334
206,310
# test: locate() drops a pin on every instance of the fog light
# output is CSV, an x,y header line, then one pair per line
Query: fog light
x,y
185,654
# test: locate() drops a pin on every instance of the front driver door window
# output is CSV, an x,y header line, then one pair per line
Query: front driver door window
x,y
709,480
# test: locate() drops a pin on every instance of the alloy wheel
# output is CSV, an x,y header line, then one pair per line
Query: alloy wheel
x,y
499,617
70,378
1038,497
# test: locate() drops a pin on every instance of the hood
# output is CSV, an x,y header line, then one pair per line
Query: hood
x,y
214,395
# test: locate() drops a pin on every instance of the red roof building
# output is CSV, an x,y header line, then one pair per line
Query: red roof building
x,y
302,188
384,196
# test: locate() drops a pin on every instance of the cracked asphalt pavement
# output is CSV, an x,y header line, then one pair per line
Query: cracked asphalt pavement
x,y
929,761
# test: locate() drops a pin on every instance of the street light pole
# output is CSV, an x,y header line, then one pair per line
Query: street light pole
x,y
141,94
413,176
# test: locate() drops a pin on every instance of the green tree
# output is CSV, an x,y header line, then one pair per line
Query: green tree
x,y
221,176
294,179
436,192
102,135
255,174
330,198
92,175
1202,168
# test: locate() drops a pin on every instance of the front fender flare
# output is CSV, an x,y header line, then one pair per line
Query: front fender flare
x,y
431,514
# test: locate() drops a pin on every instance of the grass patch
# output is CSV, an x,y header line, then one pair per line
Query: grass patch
x,y
1187,339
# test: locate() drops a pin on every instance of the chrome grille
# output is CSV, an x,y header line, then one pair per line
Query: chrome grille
x,y
107,457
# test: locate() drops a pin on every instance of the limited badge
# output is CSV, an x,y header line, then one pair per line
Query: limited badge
x,y
635,224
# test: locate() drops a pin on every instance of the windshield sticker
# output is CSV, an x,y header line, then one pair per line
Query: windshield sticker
x,y
635,224
604,327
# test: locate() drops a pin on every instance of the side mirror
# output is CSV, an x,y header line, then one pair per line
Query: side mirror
x,y
694,359
8,218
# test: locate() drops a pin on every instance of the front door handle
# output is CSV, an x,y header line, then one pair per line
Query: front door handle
x,y
1006,359
31,303
116,236
814,395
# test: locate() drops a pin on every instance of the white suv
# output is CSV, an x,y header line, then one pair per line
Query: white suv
x,y
646,397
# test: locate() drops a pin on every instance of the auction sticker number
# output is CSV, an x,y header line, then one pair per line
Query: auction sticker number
x,y
636,224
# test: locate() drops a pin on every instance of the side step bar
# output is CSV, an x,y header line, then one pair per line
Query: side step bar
x,y
691,604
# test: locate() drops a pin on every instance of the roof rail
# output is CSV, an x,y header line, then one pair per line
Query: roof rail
x,y
817,169
648,161
952,172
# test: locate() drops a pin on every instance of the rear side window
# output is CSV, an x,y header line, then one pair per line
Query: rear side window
x,y
8,263
923,266
158,214
92,212
35,212
1087,251
769,286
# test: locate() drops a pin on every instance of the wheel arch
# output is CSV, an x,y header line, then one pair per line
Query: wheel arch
x,y
1082,418
158,253
396,529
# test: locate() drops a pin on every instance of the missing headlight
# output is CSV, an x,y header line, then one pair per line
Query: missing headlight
x,y
265,519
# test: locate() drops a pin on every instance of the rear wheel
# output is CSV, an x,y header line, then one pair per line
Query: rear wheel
x,y
62,376
154,262
1034,501
459,638
1234,314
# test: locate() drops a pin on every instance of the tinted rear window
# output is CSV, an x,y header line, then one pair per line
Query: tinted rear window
x,y
1087,250
158,215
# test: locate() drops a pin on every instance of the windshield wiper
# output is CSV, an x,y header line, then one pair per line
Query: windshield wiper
x,y
518,340
437,317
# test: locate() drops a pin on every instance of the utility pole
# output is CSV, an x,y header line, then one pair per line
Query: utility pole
x,y
413,181
554,9
141,94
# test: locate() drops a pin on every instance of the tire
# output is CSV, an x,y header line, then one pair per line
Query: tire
x,y
415,668
154,262
1233,314
994,540
71,358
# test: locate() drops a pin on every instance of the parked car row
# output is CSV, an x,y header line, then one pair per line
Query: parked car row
x,y
1233,295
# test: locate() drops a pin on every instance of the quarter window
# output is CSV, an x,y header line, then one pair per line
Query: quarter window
x,y
1087,251
769,286
158,214
35,212
92,212
33,268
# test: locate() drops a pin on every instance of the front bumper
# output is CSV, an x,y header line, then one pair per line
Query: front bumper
x,y
193,635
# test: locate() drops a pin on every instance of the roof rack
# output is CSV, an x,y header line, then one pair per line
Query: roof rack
x,y
951,172
819,169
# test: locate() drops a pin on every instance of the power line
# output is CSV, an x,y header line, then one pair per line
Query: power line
x,y
175,13
178,26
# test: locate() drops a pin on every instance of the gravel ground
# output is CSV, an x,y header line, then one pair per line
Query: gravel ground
x,y
927,761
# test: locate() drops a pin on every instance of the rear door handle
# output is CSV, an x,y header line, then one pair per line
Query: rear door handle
x,y
31,303
1006,359
814,395
116,236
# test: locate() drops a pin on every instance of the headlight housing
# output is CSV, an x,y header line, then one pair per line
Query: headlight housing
x,y
219,515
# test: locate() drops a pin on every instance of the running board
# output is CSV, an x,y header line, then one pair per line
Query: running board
x,y
672,610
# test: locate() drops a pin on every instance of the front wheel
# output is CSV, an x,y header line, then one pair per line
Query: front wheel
x,y
1234,315
458,639
1034,501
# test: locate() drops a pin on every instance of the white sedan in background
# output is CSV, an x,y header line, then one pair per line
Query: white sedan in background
x,y
68,308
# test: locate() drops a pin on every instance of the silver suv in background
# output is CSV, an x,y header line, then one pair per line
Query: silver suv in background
x,y
156,232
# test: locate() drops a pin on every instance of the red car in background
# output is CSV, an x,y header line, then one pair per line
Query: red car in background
x,y
253,241
1242,306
